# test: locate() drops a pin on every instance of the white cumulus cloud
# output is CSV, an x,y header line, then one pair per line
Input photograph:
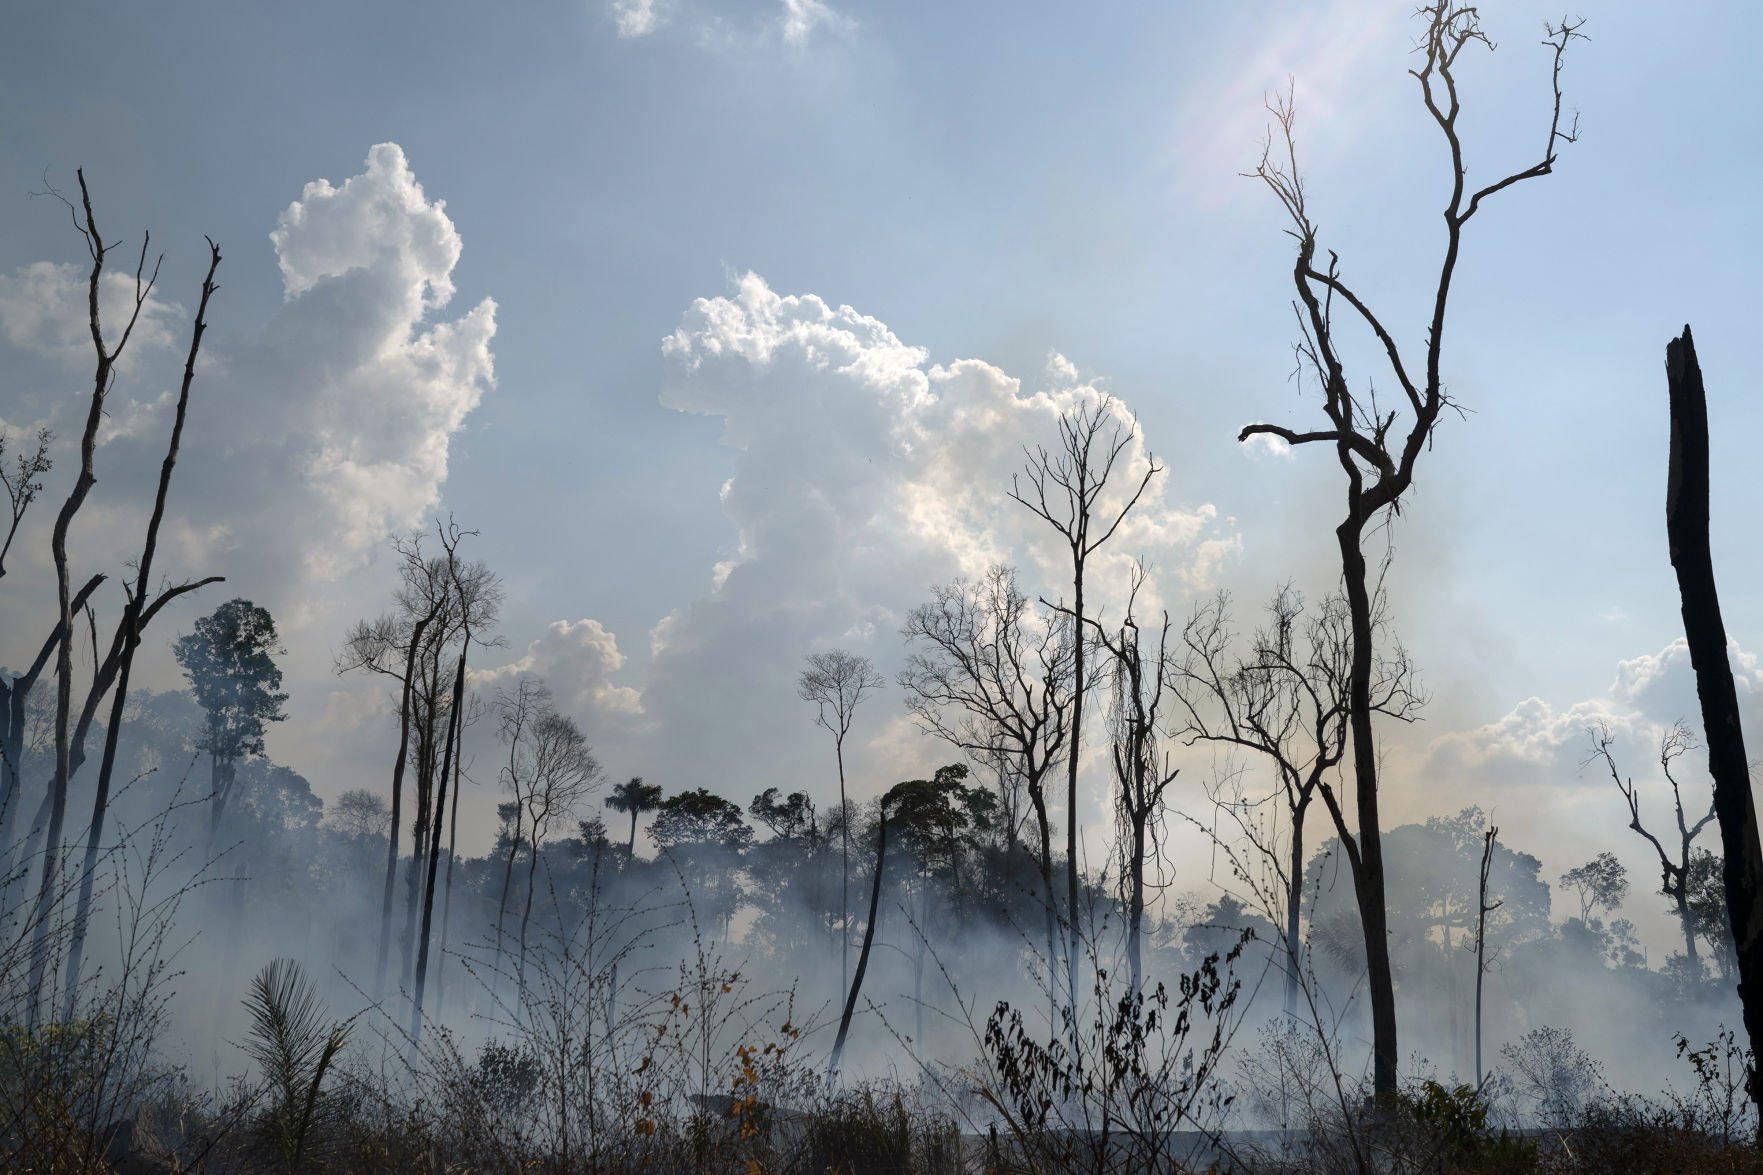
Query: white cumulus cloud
x,y
309,438
864,474
635,18
577,660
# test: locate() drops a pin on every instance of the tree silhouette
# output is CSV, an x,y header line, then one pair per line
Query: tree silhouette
x,y
836,682
993,679
1674,867
230,662
1735,808
634,797
1378,464
1065,488
707,834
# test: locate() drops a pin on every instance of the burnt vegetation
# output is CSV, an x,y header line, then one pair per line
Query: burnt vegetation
x,y
693,976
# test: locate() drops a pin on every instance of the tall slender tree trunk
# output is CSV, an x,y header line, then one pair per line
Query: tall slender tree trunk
x,y
881,857
1294,911
845,887
1048,905
508,876
1135,909
918,959
1687,922
386,901
43,909
526,915
434,848
447,900
1074,932
1483,909
420,834
1368,874
1686,524
131,624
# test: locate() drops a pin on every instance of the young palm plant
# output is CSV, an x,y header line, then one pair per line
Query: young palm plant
x,y
294,1048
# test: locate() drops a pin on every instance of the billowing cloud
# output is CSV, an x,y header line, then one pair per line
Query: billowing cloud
x,y
865,473
1664,683
363,267
308,440
1537,743
577,660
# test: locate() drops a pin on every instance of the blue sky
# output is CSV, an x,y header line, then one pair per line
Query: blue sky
x,y
989,182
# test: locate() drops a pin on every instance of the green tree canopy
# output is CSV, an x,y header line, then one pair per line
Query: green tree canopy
x,y
700,818
230,661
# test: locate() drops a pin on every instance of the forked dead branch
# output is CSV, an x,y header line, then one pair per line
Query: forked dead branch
x,y
1377,459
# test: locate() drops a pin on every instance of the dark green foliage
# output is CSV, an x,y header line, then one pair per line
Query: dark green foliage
x,y
700,818
230,661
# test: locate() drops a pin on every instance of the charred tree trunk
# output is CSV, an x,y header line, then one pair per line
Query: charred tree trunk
x,y
1686,524
434,846
15,695
1038,798
1294,910
881,856
1687,922
447,886
1483,909
1074,933
43,909
1135,909
131,638
1368,877
526,914
845,867
386,901
508,876
426,750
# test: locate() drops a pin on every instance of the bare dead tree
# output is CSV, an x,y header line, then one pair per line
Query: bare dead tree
x,y
1377,461
1064,488
1735,809
86,224
23,482
1285,699
994,680
17,695
856,988
476,594
129,629
836,681
564,773
470,716
1483,909
409,645
1674,869
370,645
517,708
1142,772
